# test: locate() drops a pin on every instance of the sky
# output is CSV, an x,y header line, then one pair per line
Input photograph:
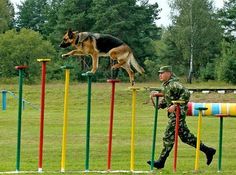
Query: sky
x,y
164,14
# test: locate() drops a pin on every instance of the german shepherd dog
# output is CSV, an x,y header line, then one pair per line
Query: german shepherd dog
x,y
95,45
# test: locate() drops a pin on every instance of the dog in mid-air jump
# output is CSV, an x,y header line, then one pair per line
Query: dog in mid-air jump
x,y
95,44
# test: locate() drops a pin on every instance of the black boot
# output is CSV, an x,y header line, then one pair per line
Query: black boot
x,y
160,163
210,152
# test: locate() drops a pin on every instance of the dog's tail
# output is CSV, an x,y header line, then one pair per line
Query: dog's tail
x,y
135,64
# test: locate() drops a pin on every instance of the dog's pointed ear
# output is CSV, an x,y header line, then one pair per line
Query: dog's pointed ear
x,y
70,33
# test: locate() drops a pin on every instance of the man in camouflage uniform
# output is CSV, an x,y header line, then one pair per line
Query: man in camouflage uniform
x,y
173,90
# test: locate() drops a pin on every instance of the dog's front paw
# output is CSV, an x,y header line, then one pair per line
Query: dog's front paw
x,y
132,83
93,71
90,72
64,55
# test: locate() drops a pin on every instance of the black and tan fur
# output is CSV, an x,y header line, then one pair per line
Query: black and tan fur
x,y
95,44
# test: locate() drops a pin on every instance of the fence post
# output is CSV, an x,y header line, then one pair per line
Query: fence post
x,y
4,100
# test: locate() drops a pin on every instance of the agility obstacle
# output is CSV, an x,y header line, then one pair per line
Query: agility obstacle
x,y
213,109
195,109
200,109
18,151
89,77
113,82
43,80
176,131
157,95
133,120
221,116
227,109
65,118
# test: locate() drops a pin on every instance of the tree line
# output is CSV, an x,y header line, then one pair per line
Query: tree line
x,y
199,44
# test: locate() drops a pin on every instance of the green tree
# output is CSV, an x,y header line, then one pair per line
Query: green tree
x,y
196,33
74,14
167,51
52,20
227,17
33,14
23,48
6,15
226,64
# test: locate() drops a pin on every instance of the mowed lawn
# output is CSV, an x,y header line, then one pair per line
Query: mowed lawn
x,y
100,114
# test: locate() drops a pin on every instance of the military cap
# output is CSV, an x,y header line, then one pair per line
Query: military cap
x,y
165,69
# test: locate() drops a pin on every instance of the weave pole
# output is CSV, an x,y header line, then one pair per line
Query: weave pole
x,y
198,137
21,77
65,118
89,76
157,95
133,120
43,79
221,116
176,132
113,82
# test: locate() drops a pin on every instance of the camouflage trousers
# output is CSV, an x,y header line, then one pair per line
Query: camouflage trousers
x,y
184,133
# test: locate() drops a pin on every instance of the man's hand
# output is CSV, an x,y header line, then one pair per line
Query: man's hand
x,y
152,94
171,109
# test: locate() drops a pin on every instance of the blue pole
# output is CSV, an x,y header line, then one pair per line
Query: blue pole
x,y
4,100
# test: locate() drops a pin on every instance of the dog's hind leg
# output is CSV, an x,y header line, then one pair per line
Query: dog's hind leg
x,y
119,64
130,72
120,54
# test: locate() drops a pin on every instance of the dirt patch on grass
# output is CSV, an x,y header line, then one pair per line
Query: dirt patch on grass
x,y
213,97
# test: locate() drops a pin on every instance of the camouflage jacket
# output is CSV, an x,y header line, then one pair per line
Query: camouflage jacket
x,y
174,90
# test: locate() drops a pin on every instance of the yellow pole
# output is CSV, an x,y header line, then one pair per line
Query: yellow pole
x,y
64,136
198,137
133,119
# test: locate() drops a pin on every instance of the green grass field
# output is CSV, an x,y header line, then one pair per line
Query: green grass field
x,y
100,113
